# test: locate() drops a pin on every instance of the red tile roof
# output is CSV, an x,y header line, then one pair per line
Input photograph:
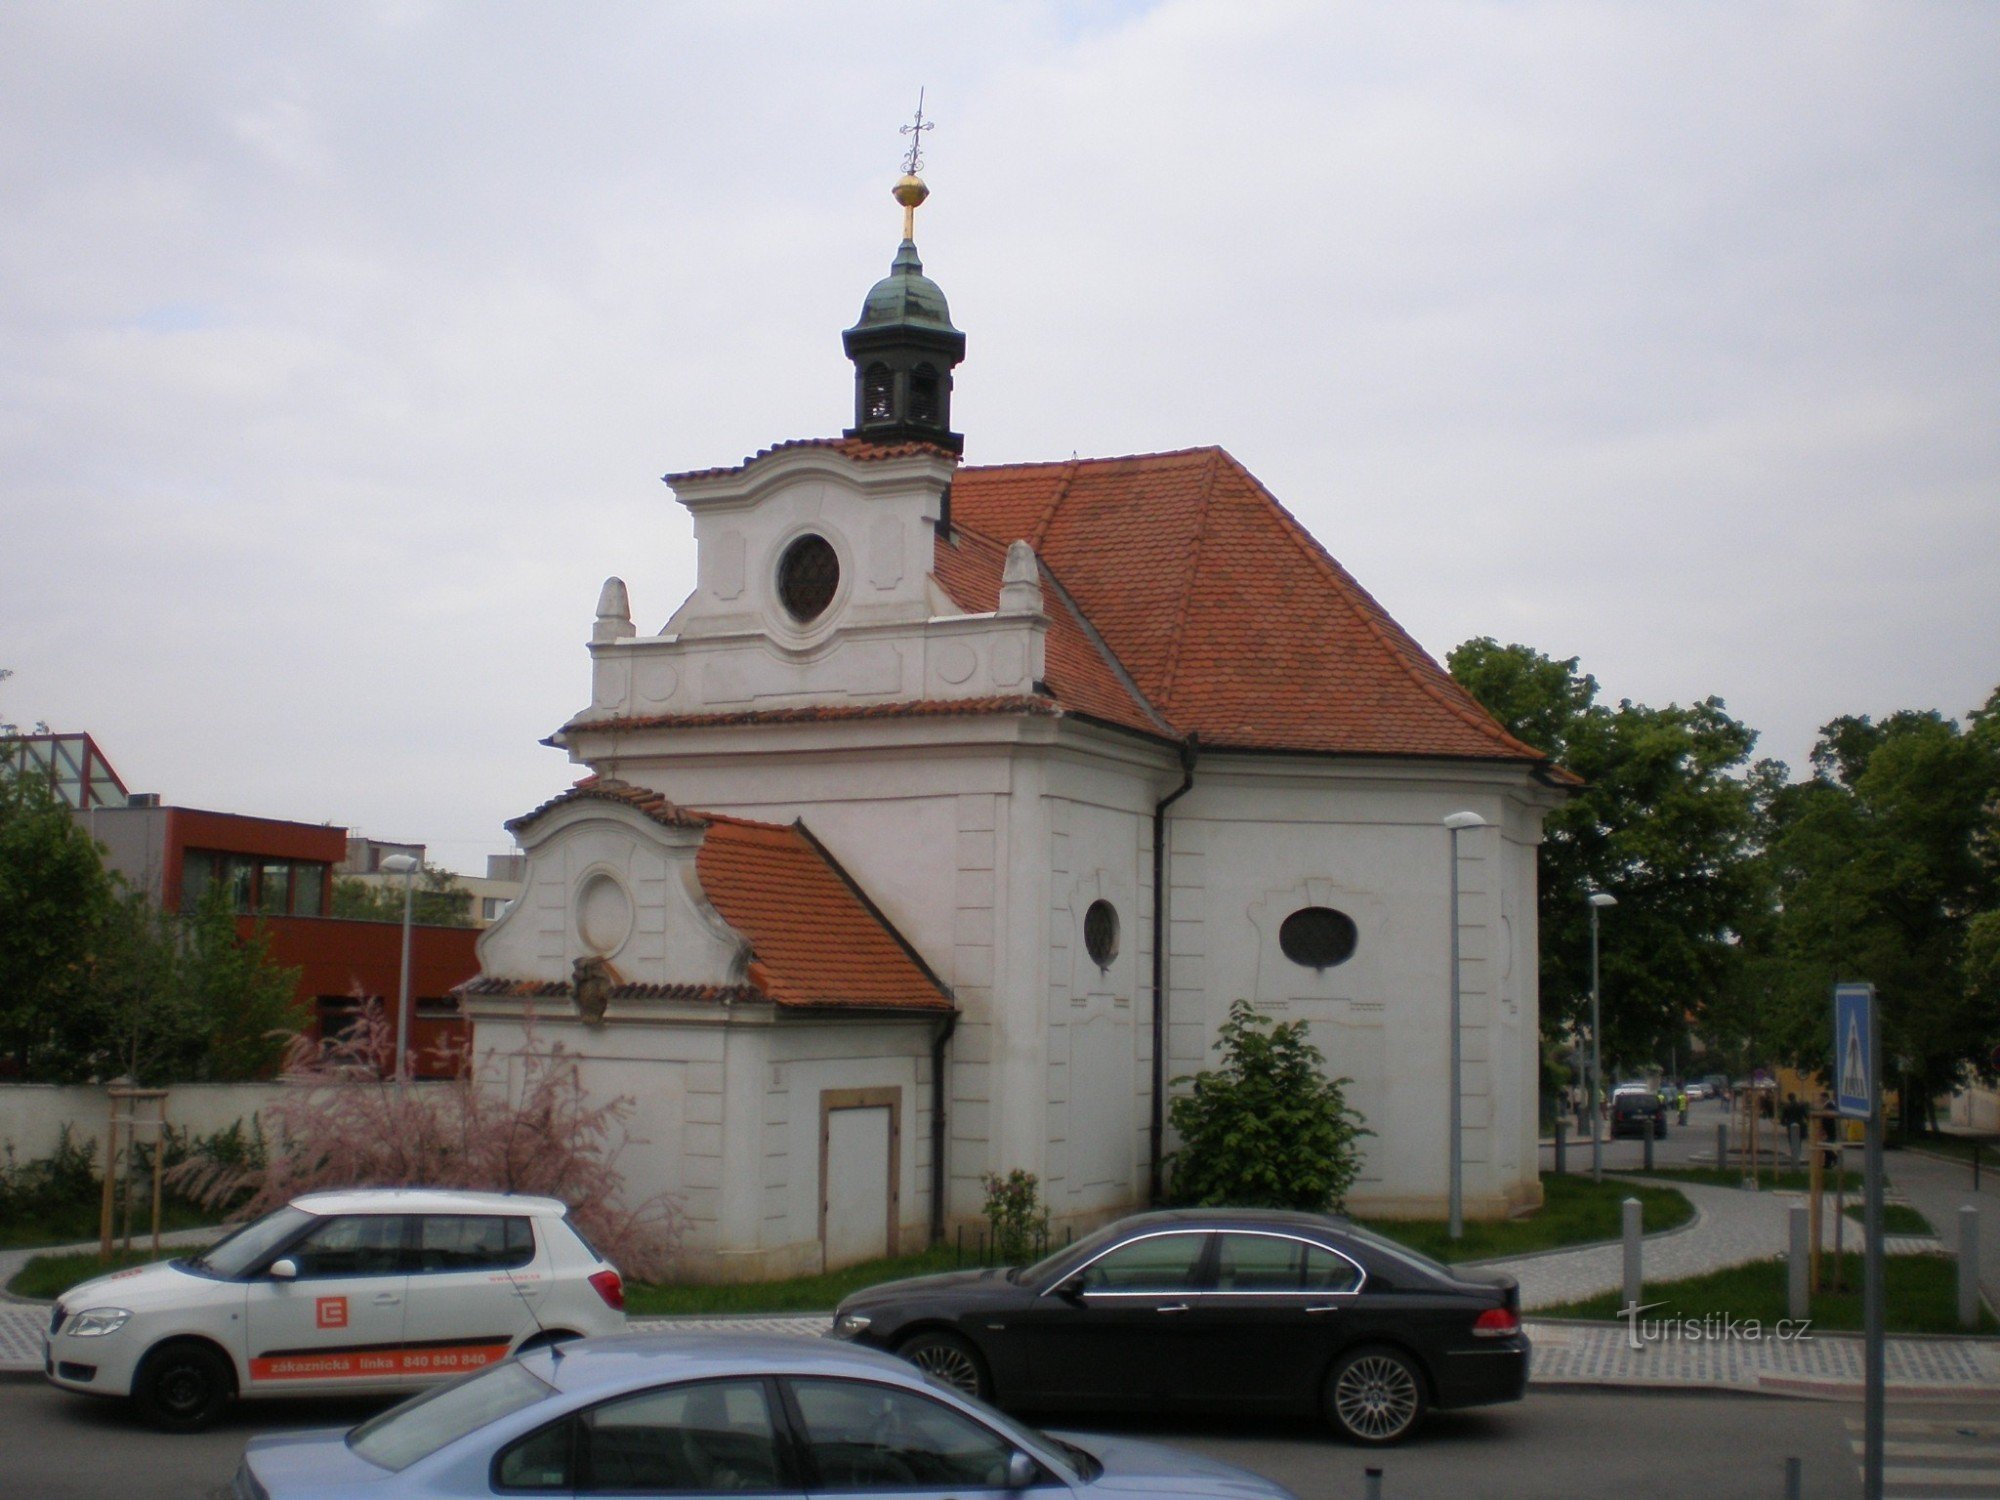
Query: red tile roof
x,y
815,939
1231,620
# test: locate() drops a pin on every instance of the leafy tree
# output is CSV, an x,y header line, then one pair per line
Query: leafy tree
x,y
438,900
520,1124
249,1005
1665,821
1884,870
1267,1129
54,894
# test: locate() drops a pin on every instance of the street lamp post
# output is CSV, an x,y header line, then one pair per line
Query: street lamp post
x,y
405,866
1457,822
1598,901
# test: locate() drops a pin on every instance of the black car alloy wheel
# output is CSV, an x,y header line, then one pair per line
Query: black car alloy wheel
x,y
1375,1395
949,1358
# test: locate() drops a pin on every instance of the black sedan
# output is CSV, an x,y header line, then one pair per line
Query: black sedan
x,y
1637,1111
1219,1310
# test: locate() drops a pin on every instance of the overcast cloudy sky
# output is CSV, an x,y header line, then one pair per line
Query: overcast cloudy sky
x,y
341,347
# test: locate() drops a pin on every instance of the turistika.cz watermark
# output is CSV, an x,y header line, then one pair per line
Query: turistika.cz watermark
x,y
1710,1328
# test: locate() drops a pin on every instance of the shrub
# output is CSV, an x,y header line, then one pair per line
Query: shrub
x,y
1267,1129
1014,1210
50,1187
343,1127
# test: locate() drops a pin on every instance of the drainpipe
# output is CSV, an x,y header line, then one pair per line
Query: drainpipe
x,y
1159,1121
945,1028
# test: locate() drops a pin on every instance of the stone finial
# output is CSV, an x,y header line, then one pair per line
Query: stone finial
x,y
1021,582
614,612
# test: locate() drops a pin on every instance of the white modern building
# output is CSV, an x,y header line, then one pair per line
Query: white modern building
x,y
935,832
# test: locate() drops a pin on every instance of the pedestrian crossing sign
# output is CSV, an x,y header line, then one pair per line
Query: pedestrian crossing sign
x,y
1853,1050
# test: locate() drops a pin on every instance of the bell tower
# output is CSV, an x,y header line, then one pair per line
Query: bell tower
x,y
904,347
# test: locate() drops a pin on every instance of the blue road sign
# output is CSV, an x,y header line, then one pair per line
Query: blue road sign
x,y
1853,1045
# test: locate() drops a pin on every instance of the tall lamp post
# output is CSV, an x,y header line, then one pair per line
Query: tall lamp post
x,y
1598,901
405,866
1457,822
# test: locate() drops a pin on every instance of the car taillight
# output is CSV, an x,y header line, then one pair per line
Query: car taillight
x,y
1496,1323
611,1287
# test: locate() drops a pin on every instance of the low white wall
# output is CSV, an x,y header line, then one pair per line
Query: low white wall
x,y
32,1114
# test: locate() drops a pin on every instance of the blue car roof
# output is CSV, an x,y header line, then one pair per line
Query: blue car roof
x,y
617,1360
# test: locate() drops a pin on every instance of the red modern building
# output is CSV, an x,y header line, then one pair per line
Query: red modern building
x,y
280,878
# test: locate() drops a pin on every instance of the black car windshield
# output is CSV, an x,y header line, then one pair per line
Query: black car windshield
x,y
419,1427
1052,1268
244,1249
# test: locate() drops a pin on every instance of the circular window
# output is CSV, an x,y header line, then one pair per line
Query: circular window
x,y
603,915
1318,937
808,574
1100,933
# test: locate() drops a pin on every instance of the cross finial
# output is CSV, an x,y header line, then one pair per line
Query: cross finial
x,y
913,162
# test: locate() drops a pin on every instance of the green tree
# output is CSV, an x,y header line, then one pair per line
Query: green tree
x,y
54,895
1665,821
248,1003
1884,870
1268,1128
438,900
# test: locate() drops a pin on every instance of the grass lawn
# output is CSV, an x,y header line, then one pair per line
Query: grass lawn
x,y
799,1294
52,1275
1961,1146
1921,1296
1575,1211
1897,1218
1789,1181
79,1223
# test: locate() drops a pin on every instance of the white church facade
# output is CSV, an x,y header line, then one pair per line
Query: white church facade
x,y
935,833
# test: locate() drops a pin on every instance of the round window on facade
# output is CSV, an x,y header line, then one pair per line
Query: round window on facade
x,y
1318,937
1100,933
808,574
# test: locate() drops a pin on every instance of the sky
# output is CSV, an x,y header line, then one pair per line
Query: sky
x,y
342,347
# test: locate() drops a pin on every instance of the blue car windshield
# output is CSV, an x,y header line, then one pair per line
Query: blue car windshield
x,y
420,1426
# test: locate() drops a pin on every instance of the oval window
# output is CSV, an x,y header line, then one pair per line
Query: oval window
x,y
808,574
1100,933
1318,937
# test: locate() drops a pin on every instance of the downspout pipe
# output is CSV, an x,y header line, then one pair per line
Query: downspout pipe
x,y
939,1040
1188,750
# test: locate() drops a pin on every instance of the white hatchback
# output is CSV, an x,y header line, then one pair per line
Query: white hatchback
x,y
363,1292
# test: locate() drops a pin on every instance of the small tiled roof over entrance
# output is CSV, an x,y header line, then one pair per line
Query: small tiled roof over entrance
x,y
1226,614
816,940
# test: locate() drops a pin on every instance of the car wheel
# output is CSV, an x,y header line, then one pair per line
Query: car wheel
x,y
183,1387
1375,1396
949,1358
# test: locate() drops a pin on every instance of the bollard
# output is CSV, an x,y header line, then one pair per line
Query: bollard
x,y
1373,1490
1634,1282
1721,1146
1649,1145
1560,1161
1968,1267
1795,1479
1798,1265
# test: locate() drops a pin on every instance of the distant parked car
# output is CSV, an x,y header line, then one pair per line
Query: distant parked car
x,y
1635,1111
1699,1088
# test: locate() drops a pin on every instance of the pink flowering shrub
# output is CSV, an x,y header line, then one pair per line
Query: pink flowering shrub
x,y
341,1126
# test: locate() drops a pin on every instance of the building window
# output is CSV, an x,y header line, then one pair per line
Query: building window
x,y
924,395
266,887
308,890
1100,933
1318,937
443,1008
808,574
338,1016
878,394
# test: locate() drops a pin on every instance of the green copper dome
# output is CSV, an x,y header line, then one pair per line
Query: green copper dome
x,y
905,298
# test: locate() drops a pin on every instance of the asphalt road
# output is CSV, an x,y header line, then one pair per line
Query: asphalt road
x,y
54,1446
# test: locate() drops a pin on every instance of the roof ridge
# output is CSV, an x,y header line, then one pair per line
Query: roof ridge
x,y
1113,458
1178,635
1378,623
1048,518
1091,633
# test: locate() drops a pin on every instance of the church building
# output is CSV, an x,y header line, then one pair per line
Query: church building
x,y
935,833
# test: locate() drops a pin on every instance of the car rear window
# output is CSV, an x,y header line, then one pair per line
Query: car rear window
x,y
419,1427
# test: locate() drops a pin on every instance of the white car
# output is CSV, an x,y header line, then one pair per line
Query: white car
x,y
364,1292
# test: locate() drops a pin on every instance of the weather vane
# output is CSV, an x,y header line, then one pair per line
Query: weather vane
x,y
914,162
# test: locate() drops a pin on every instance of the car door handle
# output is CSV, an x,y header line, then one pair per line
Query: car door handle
x,y
1172,1307
387,1299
